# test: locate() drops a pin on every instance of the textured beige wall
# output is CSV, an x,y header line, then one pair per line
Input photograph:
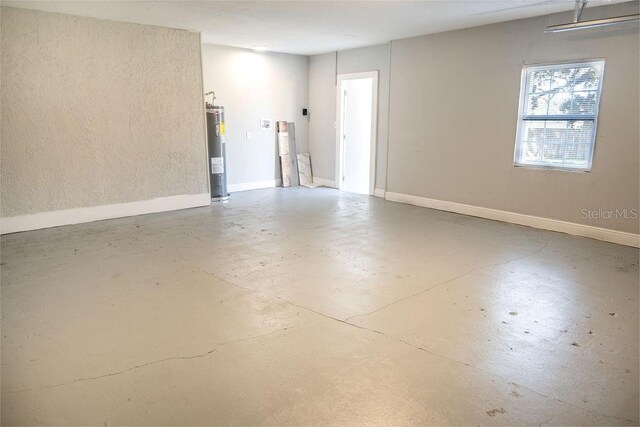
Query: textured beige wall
x,y
252,86
97,112
454,109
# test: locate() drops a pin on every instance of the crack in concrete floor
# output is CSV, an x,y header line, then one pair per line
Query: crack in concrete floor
x,y
423,349
424,291
346,322
154,362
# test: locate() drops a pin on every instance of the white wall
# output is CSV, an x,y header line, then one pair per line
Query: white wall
x,y
454,108
322,119
97,112
251,86
373,58
322,102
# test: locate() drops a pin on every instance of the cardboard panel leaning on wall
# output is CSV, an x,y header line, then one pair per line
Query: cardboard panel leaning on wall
x,y
97,112
454,110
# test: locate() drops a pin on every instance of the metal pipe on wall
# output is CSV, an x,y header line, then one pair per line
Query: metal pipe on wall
x,y
577,25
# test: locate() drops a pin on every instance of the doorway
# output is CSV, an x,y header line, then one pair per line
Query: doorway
x,y
357,113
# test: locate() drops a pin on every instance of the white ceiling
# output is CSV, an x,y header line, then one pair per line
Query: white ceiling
x,y
308,27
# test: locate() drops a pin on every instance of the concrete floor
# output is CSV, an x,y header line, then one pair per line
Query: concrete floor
x,y
300,306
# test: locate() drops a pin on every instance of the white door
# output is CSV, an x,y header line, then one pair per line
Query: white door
x,y
356,133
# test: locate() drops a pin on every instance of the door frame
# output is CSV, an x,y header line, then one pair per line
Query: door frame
x,y
374,127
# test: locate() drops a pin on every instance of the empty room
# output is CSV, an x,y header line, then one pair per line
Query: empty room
x,y
301,213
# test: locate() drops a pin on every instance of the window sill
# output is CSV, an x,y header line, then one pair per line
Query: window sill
x,y
551,168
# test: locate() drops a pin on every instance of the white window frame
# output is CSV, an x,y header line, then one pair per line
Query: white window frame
x,y
527,70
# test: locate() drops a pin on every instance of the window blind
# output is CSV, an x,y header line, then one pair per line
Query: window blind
x,y
558,115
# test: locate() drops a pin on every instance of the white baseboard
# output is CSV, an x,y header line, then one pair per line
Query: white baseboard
x,y
324,182
379,192
256,185
95,213
613,236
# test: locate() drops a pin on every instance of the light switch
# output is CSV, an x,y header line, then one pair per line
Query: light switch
x,y
249,135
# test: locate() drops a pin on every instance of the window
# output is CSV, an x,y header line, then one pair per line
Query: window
x,y
558,115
